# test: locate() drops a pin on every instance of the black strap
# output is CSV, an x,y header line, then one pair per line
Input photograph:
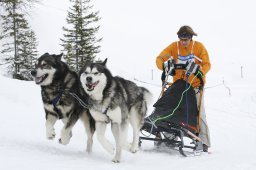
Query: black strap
x,y
54,102
56,99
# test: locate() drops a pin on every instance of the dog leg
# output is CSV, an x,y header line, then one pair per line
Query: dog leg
x,y
89,140
66,132
115,127
100,131
124,130
50,122
135,119
89,130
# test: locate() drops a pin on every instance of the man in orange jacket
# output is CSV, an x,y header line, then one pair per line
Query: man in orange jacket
x,y
185,51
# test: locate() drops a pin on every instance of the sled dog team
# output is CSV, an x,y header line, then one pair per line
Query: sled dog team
x,y
94,96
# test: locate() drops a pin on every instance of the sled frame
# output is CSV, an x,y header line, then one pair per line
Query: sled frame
x,y
178,130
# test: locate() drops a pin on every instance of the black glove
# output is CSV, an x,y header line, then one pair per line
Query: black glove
x,y
198,73
173,72
163,76
191,68
166,66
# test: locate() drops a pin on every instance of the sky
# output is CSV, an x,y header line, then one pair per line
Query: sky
x,y
134,33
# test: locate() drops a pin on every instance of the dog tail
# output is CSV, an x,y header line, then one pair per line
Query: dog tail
x,y
147,96
147,100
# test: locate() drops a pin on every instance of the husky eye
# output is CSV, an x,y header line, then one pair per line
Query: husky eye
x,y
85,73
46,66
96,73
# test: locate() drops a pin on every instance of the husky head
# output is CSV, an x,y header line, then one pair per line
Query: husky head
x,y
93,77
46,69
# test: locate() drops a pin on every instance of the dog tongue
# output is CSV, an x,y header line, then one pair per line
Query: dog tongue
x,y
38,79
92,85
89,86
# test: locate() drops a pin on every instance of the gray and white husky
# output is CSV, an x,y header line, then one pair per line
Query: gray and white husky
x,y
114,100
58,86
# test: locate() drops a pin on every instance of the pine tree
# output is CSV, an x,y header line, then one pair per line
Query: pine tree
x,y
80,43
28,50
18,40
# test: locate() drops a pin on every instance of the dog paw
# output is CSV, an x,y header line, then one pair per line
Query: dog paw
x,y
65,138
107,120
63,141
50,135
115,160
134,149
89,151
104,118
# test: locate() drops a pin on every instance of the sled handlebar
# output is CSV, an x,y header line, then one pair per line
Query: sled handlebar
x,y
198,73
174,67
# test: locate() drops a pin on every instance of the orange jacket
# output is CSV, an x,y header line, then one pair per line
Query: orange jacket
x,y
198,50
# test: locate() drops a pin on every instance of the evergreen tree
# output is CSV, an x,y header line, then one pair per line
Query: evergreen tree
x,y
80,42
28,50
18,40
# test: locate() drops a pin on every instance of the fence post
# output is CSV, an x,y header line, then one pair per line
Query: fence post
x,y
242,76
152,74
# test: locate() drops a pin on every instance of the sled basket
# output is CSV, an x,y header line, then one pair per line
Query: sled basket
x,y
177,107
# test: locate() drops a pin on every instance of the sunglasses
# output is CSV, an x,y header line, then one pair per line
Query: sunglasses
x,y
184,39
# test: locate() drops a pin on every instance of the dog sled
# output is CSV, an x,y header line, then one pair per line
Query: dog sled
x,y
174,122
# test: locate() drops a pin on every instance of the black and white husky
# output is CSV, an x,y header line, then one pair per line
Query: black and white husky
x,y
115,100
58,86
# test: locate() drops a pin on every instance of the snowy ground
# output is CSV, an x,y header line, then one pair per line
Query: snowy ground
x,y
232,121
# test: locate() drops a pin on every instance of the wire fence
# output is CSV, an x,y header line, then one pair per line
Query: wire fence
x,y
206,88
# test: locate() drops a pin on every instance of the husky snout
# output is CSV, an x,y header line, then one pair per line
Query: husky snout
x,y
89,79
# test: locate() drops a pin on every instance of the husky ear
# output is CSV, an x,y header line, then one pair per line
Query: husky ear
x,y
88,62
58,57
46,54
104,62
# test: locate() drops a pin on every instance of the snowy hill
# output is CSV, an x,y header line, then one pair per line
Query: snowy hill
x,y
232,121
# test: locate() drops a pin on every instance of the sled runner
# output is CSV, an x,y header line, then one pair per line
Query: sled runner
x,y
175,120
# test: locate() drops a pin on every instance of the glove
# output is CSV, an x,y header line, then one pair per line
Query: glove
x,y
163,76
172,72
168,67
191,68
199,73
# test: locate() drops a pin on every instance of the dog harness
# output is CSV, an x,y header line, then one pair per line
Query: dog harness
x,y
56,99
54,102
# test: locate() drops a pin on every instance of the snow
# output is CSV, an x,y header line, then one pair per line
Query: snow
x,y
23,144
231,118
